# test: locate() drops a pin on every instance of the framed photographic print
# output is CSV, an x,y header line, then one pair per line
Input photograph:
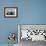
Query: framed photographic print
x,y
11,12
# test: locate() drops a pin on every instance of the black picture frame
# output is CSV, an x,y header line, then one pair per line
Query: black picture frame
x,y
10,12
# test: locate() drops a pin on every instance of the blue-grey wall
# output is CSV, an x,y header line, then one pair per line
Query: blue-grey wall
x,y
29,12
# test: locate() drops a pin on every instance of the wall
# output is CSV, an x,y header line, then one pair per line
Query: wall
x,y
29,12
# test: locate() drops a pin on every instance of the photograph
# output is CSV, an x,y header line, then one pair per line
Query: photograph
x,y
10,12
